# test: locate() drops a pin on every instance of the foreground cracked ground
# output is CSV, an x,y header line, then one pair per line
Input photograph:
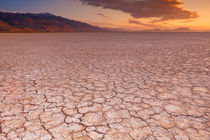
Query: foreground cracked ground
x,y
111,86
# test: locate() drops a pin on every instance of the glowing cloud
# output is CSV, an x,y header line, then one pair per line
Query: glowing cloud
x,y
133,21
159,9
102,15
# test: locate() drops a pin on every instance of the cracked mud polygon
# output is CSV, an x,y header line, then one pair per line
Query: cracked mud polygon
x,y
111,86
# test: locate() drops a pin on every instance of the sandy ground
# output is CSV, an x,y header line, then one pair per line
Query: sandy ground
x,y
111,86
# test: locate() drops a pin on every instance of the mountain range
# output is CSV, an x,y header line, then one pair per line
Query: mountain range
x,y
181,29
43,22
46,22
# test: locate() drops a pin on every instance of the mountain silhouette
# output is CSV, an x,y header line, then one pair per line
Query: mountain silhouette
x,y
43,22
181,29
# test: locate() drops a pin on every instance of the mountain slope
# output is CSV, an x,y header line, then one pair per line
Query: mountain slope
x,y
43,22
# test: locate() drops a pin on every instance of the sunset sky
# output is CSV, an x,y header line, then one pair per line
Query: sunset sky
x,y
131,15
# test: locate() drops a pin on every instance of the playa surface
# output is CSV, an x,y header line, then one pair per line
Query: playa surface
x,y
111,86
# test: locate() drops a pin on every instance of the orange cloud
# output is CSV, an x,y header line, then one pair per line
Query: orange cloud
x,y
102,15
133,21
159,9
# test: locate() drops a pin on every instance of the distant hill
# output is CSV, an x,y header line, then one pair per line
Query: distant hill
x,y
43,22
172,30
179,30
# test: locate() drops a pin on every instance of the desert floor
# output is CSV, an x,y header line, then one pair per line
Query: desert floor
x,y
111,86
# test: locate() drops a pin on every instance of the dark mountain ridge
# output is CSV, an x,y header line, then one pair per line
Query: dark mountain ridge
x,y
42,22
181,29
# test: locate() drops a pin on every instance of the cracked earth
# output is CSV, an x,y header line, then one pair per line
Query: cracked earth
x,y
111,86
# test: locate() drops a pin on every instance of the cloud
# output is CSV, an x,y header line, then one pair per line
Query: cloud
x,y
133,21
159,9
102,15
8,11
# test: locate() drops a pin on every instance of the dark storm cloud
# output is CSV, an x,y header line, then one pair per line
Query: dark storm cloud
x,y
161,9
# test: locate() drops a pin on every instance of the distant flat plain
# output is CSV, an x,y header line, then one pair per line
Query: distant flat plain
x,y
105,86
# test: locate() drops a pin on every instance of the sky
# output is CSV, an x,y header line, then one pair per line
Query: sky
x,y
132,15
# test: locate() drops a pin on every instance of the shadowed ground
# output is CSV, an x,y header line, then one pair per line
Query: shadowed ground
x,y
109,86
